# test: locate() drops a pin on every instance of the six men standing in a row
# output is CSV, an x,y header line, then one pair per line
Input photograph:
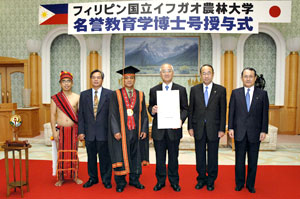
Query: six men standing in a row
x,y
114,126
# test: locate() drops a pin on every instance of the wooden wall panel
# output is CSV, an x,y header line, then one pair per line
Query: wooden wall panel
x,y
44,115
30,126
6,130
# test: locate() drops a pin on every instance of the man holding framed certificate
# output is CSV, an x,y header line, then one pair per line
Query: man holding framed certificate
x,y
169,108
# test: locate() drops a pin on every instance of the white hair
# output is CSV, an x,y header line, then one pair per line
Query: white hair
x,y
166,64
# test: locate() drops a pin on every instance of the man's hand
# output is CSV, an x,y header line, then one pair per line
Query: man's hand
x,y
117,136
262,136
180,125
221,134
56,135
231,133
191,132
154,109
81,137
143,135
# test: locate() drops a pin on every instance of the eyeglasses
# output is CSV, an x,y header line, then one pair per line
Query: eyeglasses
x,y
97,77
129,77
166,71
248,77
65,81
204,74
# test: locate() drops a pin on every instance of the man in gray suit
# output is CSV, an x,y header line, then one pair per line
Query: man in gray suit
x,y
93,128
207,118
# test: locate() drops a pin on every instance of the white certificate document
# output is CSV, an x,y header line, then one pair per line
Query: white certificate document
x,y
168,112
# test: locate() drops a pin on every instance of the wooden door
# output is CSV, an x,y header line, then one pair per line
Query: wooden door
x,y
3,84
12,82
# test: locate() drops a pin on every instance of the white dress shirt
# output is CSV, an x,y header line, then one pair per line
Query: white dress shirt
x,y
164,86
208,89
250,92
98,94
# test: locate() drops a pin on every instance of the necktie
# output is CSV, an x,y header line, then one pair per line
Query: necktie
x,y
167,87
248,99
130,94
206,96
96,101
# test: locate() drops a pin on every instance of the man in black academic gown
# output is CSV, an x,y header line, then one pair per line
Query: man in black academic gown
x,y
128,136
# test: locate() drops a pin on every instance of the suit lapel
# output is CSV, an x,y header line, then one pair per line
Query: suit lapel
x,y
102,100
200,90
213,93
173,86
90,100
243,99
160,87
254,98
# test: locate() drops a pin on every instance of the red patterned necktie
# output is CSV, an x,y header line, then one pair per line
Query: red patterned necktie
x,y
130,95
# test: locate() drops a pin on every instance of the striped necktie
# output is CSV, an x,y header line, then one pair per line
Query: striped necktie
x,y
96,102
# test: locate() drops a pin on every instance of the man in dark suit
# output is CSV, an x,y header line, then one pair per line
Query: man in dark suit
x,y
93,128
207,118
248,125
167,139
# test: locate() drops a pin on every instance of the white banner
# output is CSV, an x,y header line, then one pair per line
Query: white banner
x,y
175,16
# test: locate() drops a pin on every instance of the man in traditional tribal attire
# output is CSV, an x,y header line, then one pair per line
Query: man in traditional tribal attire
x,y
64,107
128,135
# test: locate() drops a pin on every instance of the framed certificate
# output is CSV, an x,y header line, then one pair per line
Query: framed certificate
x,y
168,112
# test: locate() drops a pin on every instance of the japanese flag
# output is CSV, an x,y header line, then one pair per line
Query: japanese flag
x,y
274,11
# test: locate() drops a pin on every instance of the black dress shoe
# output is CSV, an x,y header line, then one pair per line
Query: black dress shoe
x,y
108,185
90,183
158,187
251,189
210,187
120,188
176,187
137,185
199,185
239,188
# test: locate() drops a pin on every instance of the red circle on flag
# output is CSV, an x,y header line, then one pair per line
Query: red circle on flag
x,y
275,11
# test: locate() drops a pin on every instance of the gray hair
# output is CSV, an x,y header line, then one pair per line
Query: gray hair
x,y
166,64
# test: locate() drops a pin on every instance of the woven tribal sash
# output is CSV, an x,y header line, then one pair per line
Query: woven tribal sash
x,y
64,105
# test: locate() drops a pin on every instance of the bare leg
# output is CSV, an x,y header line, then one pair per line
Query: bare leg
x,y
78,181
59,183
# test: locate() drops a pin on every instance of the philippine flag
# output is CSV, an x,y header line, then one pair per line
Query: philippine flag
x,y
53,14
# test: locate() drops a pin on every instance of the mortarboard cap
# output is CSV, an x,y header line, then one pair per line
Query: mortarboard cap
x,y
128,70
